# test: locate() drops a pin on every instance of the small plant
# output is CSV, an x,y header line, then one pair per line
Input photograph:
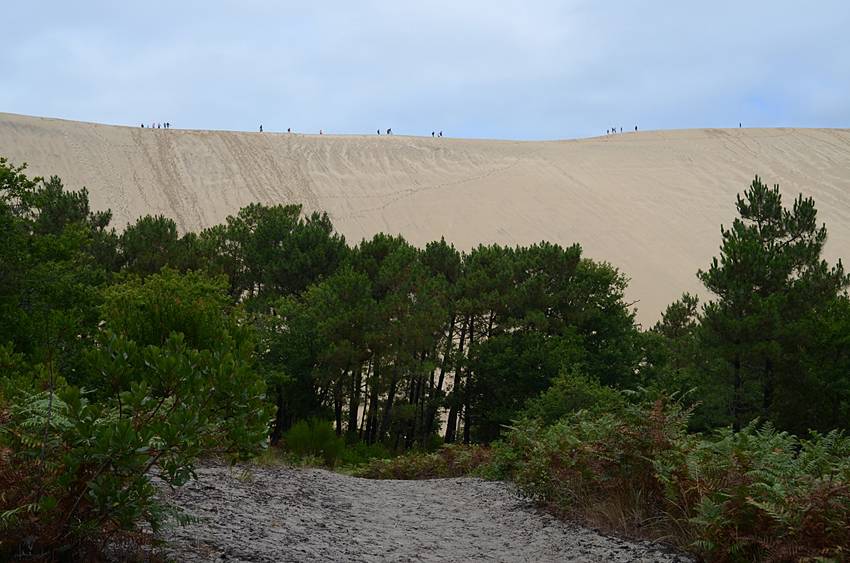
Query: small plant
x,y
316,438
75,473
448,461
361,453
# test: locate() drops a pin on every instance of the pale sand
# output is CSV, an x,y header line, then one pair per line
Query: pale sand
x,y
650,203
279,514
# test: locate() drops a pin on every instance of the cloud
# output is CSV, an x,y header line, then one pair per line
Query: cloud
x,y
530,70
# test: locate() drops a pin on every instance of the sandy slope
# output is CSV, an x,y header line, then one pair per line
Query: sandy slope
x,y
651,203
280,514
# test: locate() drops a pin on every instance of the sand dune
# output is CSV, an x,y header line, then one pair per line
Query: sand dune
x,y
651,203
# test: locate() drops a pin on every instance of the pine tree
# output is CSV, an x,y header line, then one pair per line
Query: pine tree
x,y
769,276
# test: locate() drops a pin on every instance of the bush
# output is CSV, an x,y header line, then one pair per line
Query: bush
x,y
360,453
76,473
317,438
149,310
573,391
448,461
754,495
759,494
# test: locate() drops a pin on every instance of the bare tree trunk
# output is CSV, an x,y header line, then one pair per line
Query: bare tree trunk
x,y
467,419
354,400
385,423
451,422
431,415
372,420
737,401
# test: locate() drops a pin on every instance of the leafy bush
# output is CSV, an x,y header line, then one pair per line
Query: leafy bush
x,y
754,495
360,453
149,310
449,461
571,392
759,494
317,438
595,462
73,471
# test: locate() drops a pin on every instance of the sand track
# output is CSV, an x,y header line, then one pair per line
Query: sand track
x,y
295,515
651,203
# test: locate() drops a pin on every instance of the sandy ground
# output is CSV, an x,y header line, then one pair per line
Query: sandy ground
x,y
310,515
651,202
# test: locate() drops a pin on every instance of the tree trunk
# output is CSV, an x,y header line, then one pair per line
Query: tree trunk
x,y
338,401
432,410
767,397
385,423
277,433
467,419
354,400
372,420
737,401
451,421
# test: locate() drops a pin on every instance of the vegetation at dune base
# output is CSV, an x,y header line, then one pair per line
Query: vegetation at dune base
x,y
125,357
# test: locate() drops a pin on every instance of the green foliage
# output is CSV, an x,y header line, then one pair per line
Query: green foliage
x,y
360,453
509,369
48,298
148,310
270,252
759,494
769,279
152,243
815,393
753,495
317,438
571,392
78,471
451,460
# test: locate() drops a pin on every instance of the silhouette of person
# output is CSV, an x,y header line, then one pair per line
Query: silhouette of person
x,y
635,127
261,128
432,133
289,129
320,131
441,133
143,125
379,131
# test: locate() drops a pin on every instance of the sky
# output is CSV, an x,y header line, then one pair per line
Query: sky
x,y
521,70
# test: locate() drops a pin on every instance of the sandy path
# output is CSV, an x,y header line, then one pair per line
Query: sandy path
x,y
282,514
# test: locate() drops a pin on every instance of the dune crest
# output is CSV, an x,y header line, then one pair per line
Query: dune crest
x,y
651,203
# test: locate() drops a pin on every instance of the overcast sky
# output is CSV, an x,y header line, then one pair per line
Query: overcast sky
x,y
526,70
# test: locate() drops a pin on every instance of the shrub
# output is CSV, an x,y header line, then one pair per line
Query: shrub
x,y
759,494
449,461
317,438
76,473
571,392
753,495
360,453
149,310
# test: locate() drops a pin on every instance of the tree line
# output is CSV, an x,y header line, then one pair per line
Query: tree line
x,y
398,345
